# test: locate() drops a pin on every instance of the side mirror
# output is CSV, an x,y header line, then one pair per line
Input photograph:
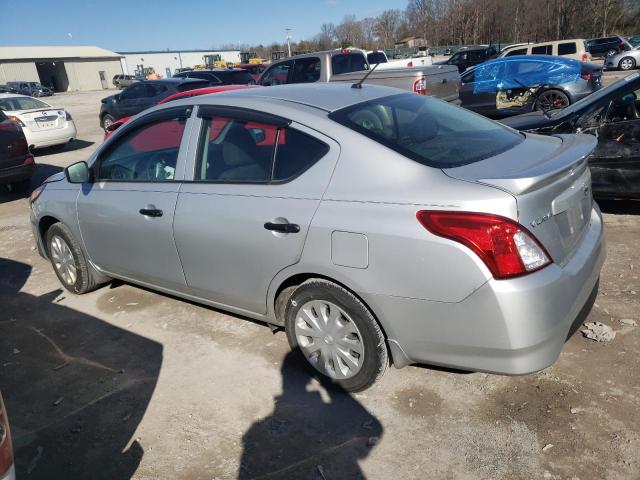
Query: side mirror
x,y
78,173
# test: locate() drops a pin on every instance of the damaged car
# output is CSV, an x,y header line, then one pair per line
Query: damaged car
x,y
519,84
613,116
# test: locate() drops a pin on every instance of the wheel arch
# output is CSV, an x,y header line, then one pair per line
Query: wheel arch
x,y
44,224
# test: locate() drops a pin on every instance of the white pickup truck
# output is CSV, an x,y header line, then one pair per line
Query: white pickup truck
x,y
348,65
380,58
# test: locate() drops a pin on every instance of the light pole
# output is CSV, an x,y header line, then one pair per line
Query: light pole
x,y
288,30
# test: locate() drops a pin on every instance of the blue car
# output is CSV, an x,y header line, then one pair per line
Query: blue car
x,y
513,85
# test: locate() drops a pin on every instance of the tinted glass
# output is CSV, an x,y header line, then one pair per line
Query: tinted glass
x,y
276,75
241,78
542,50
235,151
516,51
21,103
183,87
376,57
305,70
149,153
134,91
347,63
296,152
567,48
427,130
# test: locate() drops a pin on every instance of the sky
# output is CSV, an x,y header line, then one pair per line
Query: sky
x,y
131,25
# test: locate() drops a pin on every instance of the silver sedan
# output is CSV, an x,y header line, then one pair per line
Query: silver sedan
x,y
373,225
624,60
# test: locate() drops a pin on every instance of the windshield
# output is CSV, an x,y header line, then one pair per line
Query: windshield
x,y
35,85
11,104
427,130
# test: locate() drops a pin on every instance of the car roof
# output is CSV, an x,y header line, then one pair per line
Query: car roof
x,y
324,96
204,91
173,80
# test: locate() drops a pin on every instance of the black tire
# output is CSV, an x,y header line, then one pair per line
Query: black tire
x,y
561,96
84,281
375,354
106,120
627,63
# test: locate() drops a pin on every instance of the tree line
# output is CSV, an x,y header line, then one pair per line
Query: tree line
x,y
468,22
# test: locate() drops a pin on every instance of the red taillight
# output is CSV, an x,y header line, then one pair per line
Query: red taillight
x,y
345,51
506,247
29,160
586,76
6,449
410,65
584,56
420,86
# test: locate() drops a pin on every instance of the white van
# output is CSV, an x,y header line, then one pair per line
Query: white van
x,y
576,49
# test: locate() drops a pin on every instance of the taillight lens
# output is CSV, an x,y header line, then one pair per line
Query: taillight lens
x,y
506,247
15,119
420,86
586,76
68,116
584,56
6,449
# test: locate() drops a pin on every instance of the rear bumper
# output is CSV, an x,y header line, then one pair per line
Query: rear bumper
x,y
513,327
17,173
48,138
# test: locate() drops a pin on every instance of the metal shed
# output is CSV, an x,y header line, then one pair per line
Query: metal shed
x,y
65,68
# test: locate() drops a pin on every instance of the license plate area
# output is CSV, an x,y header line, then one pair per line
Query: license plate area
x,y
572,210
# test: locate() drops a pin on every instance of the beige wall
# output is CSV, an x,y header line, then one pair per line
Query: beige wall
x,y
83,74
18,71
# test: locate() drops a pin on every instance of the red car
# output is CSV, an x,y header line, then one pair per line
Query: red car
x,y
7,471
189,93
16,161
255,69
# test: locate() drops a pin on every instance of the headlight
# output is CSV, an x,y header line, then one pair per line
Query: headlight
x,y
36,193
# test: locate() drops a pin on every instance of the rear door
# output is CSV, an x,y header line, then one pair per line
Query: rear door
x,y
245,216
480,94
126,214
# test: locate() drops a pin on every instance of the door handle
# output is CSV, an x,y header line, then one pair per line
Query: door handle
x,y
282,227
151,212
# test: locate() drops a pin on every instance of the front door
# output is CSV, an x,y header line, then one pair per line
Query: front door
x,y
245,215
126,213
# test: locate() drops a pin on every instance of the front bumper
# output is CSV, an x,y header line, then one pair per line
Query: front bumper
x,y
514,327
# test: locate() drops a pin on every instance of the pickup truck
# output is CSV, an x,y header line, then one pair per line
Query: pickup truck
x,y
351,66
380,57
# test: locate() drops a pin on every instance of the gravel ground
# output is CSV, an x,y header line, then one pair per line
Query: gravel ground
x,y
127,383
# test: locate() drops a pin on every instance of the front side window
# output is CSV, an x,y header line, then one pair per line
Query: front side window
x,y
516,51
134,91
567,48
277,74
240,151
149,153
427,130
306,70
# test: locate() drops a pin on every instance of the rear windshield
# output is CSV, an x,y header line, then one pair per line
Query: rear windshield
x,y
427,130
21,103
347,63
376,57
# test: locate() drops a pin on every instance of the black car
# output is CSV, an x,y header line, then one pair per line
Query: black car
x,y
220,76
142,95
16,161
613,115
8,89
469,56
605,46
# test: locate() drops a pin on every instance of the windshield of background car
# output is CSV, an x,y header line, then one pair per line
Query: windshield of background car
x,y
21,103
348,62
376,57
427,130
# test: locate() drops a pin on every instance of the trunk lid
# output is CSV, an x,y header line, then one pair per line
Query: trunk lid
x,y
551,182
42,119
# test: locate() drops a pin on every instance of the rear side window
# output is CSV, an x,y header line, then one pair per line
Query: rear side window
x,y
149,153
567,48
516,51
542,50
295,153
347,63
428,131
305,70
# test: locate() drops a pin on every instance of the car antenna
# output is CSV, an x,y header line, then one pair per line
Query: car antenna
x,y
359,84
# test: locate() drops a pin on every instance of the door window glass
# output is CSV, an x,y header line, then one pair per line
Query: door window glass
x,y
276,75
542,50
348,62
567,48
134,91
149,153
306,70
295,153
516,51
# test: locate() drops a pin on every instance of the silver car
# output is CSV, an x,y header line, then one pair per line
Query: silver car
x,y
624,60
367,221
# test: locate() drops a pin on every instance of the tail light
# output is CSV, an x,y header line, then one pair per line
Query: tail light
x,y
345,51
506,247
15,119
586,76
584,56
29,160
68,116
6,449
420,86
410,65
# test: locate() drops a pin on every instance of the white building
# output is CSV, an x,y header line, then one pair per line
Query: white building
x,y
166,62
65,68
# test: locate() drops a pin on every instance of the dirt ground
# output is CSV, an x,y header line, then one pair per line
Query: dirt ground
x,y
127,383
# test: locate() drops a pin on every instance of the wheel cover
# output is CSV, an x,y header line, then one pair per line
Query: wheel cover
x,y
550,100
626,63
107,122
329,339
63,260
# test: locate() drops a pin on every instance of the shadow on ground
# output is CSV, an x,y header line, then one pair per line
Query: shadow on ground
x,y
306,436
75,387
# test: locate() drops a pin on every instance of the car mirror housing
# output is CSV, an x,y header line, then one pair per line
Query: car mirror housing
x,y
78,173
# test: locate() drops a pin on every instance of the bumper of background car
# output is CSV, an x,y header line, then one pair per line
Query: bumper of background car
x,y
514,327
17,173
48,138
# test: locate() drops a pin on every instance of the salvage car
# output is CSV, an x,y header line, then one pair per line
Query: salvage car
x,y
353,217
514,85
142,95
7,470
16,161
42,124
613,116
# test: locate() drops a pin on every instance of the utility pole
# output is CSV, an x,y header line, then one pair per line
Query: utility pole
x,y
288,30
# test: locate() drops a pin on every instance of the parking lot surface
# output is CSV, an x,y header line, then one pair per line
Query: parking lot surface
x,y
128,383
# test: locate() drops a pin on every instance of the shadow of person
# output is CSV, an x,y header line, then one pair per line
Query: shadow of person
x,y
75,387
307,437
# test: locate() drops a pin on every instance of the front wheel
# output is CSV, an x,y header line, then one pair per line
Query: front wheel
x,y
107,121
336,335
551,100
68,260
627,63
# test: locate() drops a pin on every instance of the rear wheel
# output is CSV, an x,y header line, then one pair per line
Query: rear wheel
x,y
336,335
552,99
68,260
107,120
627,63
